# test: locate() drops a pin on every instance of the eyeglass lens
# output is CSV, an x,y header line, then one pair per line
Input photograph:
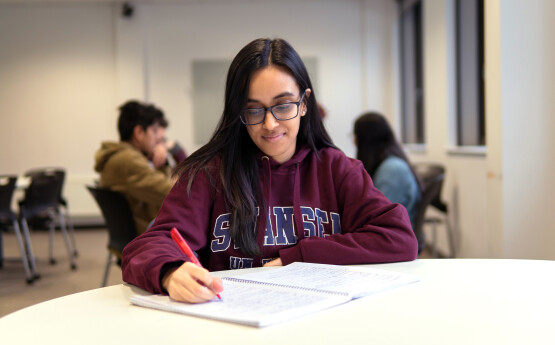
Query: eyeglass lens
x,y
285,111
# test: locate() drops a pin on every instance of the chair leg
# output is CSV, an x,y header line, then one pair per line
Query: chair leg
x,y
29,277
107,269
66,240
51,239
450,237
434,236
69,224
29,248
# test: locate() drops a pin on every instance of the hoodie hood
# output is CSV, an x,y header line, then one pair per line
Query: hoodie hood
x,y
106,151
297,158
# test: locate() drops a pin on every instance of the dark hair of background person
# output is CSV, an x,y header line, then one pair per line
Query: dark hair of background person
x,y
376,141
134,113
231,141
160,119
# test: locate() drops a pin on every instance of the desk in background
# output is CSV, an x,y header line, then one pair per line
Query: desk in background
x,y
457,301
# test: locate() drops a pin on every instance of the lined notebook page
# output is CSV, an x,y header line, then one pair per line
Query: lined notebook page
x,y
270,296
249,303
356,281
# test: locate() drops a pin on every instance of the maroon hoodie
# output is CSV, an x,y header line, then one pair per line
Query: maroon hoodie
x,y
321,210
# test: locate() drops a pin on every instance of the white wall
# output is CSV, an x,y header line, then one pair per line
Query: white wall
x,y
66,67
176,34
57,90
379,63
528,124
494,125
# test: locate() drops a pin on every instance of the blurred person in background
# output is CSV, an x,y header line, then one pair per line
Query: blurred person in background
x,y
384,160
126,166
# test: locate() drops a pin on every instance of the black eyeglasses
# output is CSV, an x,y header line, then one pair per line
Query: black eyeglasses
x,y
281,112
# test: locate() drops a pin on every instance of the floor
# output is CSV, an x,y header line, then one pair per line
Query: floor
x,y
57,280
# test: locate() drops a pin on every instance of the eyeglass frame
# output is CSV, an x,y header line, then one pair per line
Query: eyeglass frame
x,y
298,103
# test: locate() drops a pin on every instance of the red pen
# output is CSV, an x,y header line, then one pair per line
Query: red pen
x,y
185,248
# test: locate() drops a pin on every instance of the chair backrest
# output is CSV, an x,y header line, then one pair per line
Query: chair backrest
x,y
425,171
432,180
60,174
40,195
117,215
7,187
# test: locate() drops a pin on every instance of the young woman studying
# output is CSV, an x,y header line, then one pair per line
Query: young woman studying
x,y
269,188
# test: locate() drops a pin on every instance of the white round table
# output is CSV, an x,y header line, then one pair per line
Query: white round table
x,y
458,301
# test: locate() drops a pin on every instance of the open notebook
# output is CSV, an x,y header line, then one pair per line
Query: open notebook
x,y
270,296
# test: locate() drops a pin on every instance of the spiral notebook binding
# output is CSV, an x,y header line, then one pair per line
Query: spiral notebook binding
x,y
254,282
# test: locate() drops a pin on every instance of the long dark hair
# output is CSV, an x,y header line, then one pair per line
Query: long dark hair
x,y
231,141
376,141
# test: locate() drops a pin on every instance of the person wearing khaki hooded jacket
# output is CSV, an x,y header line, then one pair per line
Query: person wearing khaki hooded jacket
x,y
124,166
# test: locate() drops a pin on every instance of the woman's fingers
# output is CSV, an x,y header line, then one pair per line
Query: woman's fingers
x,y
217,285
275,262
191,283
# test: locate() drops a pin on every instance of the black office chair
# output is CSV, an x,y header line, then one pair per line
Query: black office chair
x,y
7,187
41,198
428,173
119,221
63,204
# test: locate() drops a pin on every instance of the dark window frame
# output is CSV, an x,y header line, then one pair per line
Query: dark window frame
x,y
412,129
478,120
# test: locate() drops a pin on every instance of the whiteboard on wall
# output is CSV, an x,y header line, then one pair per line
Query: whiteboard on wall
x,y
208,93
208,96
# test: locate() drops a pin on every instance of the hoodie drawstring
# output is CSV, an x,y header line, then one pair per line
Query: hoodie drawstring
x,y
266,195
296,197
297,202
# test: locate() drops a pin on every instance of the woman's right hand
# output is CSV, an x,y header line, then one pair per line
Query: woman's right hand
x,y
191,283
